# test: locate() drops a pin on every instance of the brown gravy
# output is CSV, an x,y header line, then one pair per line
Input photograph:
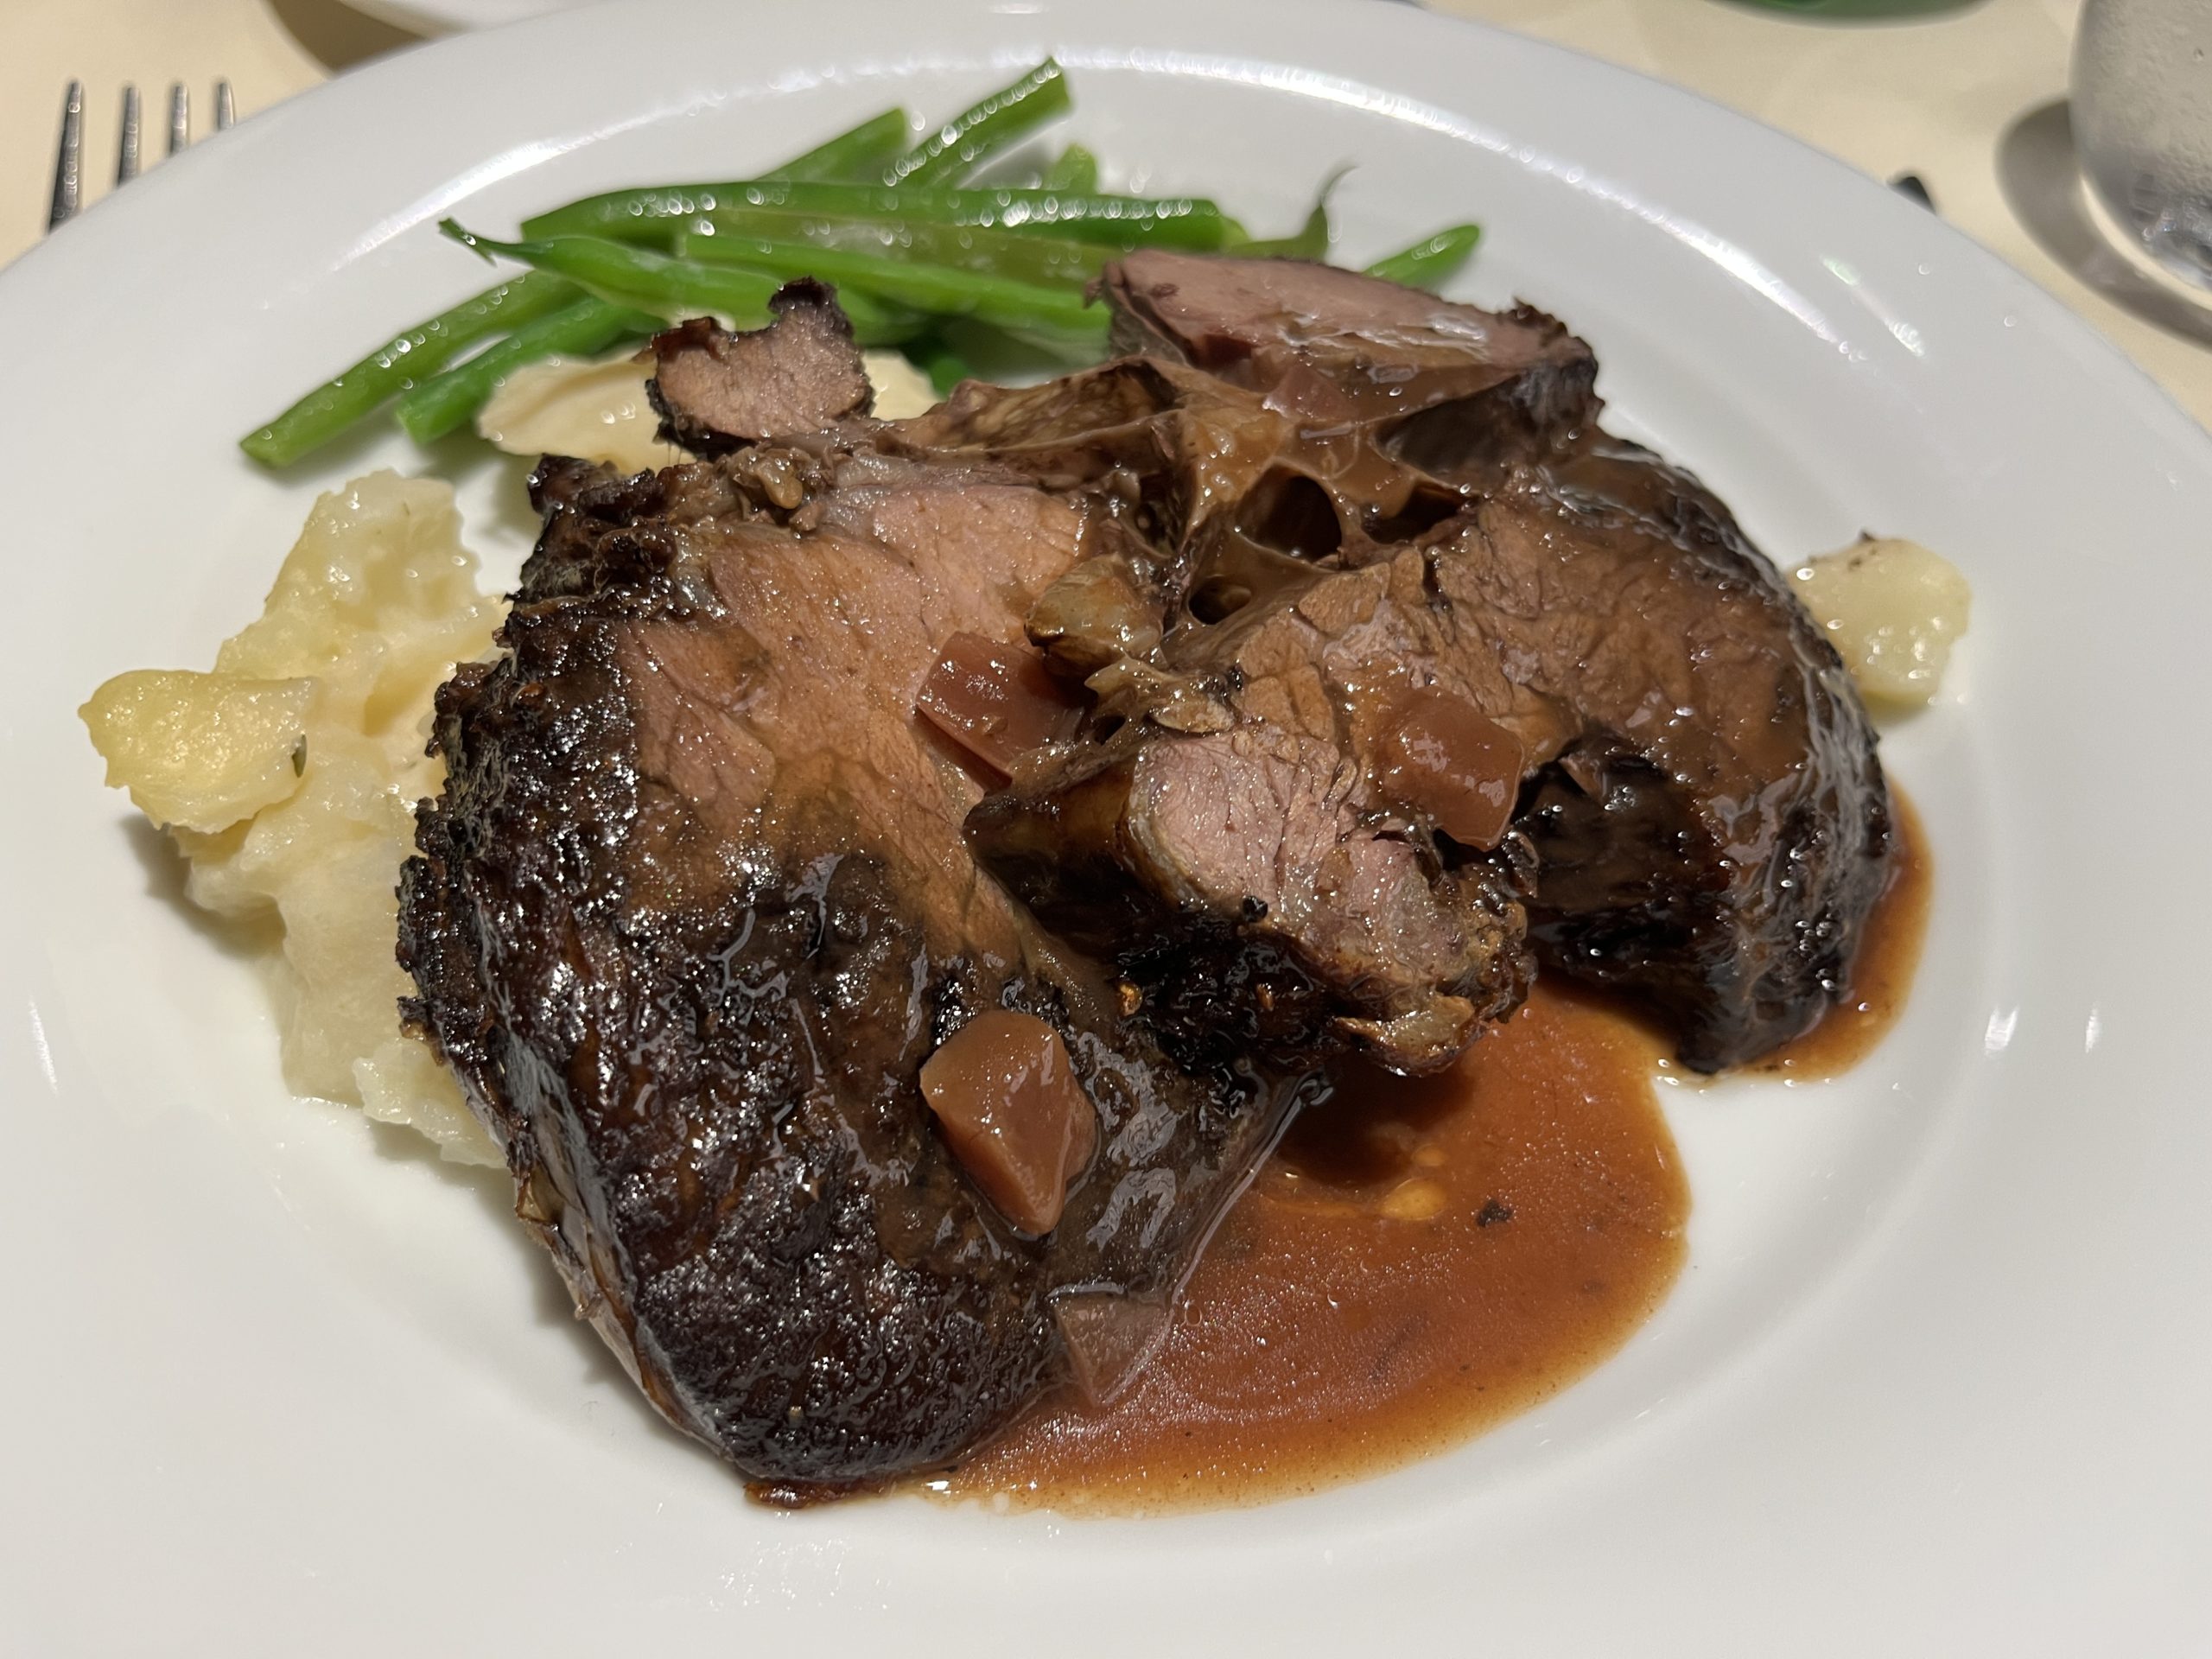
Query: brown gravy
x,y
1420,1260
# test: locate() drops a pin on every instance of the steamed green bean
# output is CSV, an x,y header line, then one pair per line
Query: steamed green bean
x,y
966,278
1029,257
1312,238
1432,260
646,281
1029,310
1130,221
941,360
408,357
1074,171
1000,121
854,156
581,328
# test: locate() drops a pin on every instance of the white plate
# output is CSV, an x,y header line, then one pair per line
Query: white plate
x,y
1936,1378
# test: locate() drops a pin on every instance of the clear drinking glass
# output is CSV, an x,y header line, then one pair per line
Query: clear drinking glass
x,y
2142,112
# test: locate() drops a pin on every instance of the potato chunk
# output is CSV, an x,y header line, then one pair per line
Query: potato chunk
x,y
596,411
200,751
1892,609
902,391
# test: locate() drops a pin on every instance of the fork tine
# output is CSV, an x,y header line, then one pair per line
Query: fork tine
x,y
126,157
227,111
180,116
68,161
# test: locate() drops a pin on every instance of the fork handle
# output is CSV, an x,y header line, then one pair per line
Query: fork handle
x,y
68,161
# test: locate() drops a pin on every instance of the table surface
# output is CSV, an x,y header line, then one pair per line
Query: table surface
x,y
1936,97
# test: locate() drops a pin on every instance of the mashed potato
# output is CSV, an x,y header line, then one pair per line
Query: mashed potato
x,y
288,776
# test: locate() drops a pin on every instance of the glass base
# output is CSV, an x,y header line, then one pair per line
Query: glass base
x,y
2174,242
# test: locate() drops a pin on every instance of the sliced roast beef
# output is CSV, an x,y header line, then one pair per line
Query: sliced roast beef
x,y
717,390
1708,822
1255,889
1714,837
695,907
1179,453
1260,847
1297,406
1445,388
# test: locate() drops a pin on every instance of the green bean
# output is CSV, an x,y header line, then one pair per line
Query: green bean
x,y
1024,256
412,356
1432,260
1124,221
1028,310
1312,239
963,143
449,400
399,363
1074,171
941,360
646,281
856,155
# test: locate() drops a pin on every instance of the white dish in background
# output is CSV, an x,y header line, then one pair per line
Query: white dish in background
x,y
447,16
1935,1378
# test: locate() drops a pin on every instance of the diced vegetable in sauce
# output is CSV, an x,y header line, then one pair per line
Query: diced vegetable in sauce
x,y
999,702
1007,1100
1446,759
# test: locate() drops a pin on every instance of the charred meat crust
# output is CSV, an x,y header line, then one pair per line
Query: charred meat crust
x,y
697,1037
1718,869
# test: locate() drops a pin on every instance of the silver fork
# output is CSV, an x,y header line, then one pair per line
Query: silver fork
x,y
69,161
